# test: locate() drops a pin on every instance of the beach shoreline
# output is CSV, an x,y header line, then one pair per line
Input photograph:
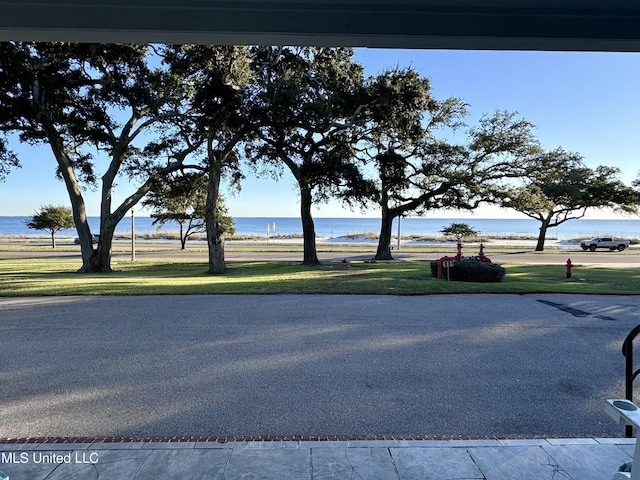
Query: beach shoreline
x,y
352,241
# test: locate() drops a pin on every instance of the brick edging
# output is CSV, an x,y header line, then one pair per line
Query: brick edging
x,y
277,438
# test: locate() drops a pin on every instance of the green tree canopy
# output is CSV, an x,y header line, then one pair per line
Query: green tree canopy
x,y
399,119
459,231
560,187
417,168
218,119
307,107
183,199
89,103
8,160
52,218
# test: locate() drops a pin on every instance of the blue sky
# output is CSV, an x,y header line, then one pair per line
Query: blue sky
x,y
583,102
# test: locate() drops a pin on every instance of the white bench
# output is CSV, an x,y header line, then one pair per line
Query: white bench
x,y
625,412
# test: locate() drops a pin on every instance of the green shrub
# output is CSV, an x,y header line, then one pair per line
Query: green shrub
x,y
434,268
470,270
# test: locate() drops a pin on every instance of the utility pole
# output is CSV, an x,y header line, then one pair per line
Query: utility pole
x,y
133,238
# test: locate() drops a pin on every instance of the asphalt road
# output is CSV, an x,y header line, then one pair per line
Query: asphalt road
x,y
312,365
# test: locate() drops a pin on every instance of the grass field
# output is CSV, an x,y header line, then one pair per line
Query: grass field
x,y
23,277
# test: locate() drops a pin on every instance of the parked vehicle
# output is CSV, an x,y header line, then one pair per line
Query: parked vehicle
x,y
604,242
94,239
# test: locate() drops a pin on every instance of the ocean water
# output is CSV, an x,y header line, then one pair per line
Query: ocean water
x,y
338,227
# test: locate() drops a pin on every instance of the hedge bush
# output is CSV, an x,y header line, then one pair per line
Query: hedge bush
x,y
471,270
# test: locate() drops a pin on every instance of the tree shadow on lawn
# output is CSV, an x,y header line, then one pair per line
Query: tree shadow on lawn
x,y
397,278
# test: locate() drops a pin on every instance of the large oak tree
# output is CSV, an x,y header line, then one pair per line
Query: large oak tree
x,y
91,104
219,119
308,106
418,168
399,121
560,187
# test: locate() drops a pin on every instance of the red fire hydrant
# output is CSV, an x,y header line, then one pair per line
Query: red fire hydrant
x,y
569,265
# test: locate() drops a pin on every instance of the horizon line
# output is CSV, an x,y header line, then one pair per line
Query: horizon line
x,y
617,218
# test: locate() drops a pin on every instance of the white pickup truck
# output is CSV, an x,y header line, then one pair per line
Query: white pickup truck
x,y
604,242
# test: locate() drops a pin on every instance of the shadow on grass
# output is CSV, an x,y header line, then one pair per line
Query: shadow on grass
x,y
395,278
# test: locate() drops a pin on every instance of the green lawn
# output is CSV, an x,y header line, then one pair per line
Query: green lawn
x,y
25,277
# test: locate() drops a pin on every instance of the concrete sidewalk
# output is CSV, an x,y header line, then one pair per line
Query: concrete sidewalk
x,y
527,459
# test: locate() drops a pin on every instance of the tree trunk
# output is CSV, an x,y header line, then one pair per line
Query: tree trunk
x,y
53,239
308,228
84,232
101,258
78,207
183,238
384,242
215,234
542,235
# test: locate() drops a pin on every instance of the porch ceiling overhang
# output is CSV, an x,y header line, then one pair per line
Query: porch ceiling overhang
x,y
581,25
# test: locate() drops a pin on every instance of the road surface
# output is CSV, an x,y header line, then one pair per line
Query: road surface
x,y
533,365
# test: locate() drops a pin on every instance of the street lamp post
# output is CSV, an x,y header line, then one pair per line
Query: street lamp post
x,y
133,238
